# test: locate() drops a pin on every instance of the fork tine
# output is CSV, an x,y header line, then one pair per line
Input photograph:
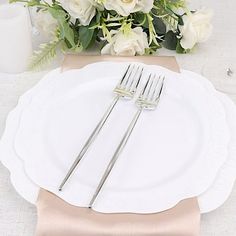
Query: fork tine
x,y
135,80
159,91
145,87
127,77
125,74
138,81
152,88
146,95
129,86
157,80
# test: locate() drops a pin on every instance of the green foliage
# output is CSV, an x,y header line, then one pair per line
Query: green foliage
x,y
161,25
31,3
170,41
180,49
66,32
171,4
141,20
45,55
85,36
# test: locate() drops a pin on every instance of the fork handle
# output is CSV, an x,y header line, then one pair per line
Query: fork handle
x,y
89,141
118,151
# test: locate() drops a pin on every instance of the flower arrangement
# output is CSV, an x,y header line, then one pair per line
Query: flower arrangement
x,y
119,27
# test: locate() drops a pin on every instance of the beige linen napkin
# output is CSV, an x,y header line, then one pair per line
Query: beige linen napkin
x,y
75,62
58,218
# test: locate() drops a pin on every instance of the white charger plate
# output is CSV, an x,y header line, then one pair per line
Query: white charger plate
x,y
209,200
116,200
223,184
21,182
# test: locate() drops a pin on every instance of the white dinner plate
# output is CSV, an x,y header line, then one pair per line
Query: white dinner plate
x,y
53,129
209,200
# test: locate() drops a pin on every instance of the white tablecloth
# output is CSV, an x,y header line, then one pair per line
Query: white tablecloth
x,y
212,59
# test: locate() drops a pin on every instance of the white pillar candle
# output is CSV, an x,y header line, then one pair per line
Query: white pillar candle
x,y
15,38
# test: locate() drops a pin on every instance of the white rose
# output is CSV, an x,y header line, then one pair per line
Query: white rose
x,y
127,44
196,29
84,10
125,7
45,23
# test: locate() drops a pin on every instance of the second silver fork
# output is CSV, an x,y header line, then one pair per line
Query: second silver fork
x,y
126,88
148,100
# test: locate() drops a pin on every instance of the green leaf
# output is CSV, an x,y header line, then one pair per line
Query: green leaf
x,y
29,3
112,12
98,17
33,3
85,36
170,41
180,20
56,6
141,19
114,24
180,49
45,55
159,26
66,32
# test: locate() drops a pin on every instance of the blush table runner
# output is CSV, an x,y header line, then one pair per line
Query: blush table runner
x,y
58,218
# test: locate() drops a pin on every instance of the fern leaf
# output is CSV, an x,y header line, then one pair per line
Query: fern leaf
x,y
44,55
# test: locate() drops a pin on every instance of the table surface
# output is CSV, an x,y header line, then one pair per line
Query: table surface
x,y
211,59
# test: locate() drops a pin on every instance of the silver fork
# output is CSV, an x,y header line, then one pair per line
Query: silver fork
x,y
147,100
126,88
